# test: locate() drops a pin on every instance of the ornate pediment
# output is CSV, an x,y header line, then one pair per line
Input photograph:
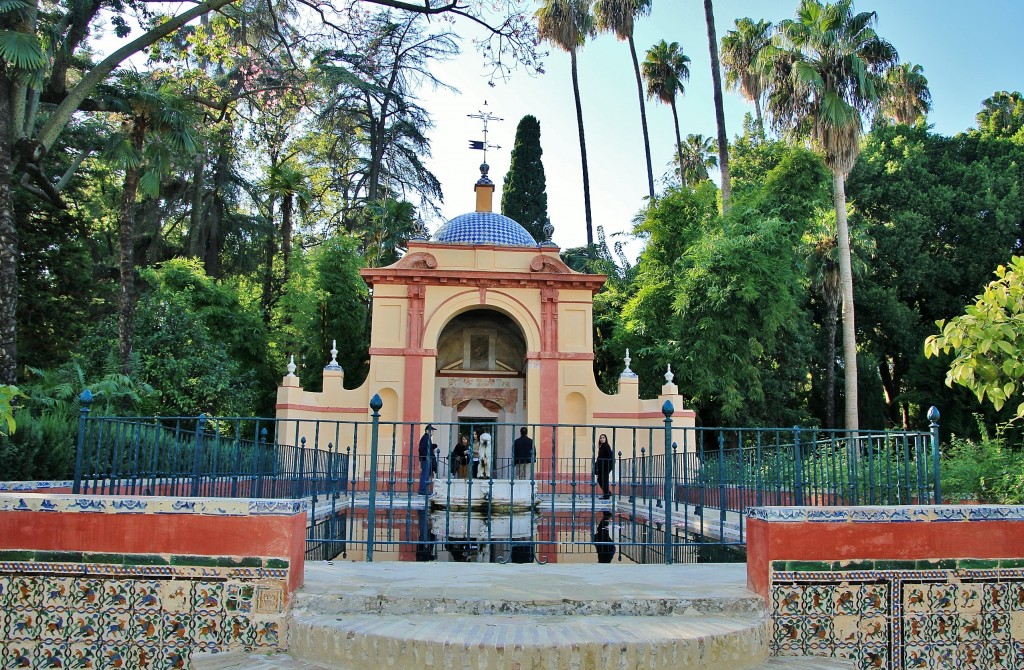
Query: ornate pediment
x,y
552,264
418,260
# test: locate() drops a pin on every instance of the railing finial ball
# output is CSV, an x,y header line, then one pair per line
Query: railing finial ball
x,y
668,409
933,413
376,403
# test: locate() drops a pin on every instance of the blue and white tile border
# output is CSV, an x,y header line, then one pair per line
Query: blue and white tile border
x,y
69,503
887,514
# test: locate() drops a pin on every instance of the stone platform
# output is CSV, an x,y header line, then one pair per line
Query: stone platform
x,y
355,616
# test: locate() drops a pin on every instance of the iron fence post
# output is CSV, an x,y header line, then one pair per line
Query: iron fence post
x,y
933,422
668,410
798,468
375,404
85,399
197,454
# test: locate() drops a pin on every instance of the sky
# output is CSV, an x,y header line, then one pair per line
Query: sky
x,y
967,50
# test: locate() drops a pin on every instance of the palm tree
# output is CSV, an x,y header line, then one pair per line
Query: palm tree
x,y
567,24
828,69
665,69
716,79
618,16
740,51
157,124
906,97
823,267
698,156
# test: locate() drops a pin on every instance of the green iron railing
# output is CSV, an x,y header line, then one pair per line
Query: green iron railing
x,y
677,493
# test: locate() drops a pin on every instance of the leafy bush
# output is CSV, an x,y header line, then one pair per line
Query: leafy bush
x,y
984,471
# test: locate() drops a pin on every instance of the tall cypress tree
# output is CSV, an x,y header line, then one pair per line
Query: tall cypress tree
x,y
524,196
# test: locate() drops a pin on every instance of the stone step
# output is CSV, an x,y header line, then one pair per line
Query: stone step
x,y
807,663
519,642
249,661
552,590
245,660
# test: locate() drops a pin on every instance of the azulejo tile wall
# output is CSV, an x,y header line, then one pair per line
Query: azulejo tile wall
x,y
958,614
138,611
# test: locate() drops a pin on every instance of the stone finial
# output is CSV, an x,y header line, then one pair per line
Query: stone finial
x,y
627,372
333,365
549,231
668,375
291,366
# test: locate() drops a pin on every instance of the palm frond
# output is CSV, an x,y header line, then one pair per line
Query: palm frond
x,y
22,51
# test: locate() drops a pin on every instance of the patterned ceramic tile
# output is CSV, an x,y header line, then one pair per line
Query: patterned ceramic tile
x,y
117,625
176,595
116,593
268,631
269,599
24,624
934,618
208,596
238,598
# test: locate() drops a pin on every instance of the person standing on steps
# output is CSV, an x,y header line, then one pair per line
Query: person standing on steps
x,y
428,458
603,465
522,454
460,458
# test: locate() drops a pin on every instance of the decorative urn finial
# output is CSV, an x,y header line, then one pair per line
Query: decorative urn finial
x,y
627,372
291,366
333,365
668,375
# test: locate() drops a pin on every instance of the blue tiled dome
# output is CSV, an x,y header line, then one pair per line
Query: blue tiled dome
x,y
484,228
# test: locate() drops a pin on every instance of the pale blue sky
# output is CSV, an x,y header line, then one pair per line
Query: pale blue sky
x,y
968,51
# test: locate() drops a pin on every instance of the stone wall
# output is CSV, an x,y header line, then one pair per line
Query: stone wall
x,y
121,582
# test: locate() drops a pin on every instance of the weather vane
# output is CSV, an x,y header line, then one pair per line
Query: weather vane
x,y
485,116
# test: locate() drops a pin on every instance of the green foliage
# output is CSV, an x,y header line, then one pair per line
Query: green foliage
x,y
720,299
325,300
44,445
986,470
943,213
8,394
988,340
197,346
1002,115
524,197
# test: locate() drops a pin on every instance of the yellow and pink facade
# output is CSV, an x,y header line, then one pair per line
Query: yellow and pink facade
x,y
482,324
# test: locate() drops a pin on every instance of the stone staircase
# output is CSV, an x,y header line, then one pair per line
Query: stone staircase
x,y
450,616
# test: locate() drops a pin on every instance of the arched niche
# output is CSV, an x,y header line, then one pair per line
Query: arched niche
x,y
494,300
481,340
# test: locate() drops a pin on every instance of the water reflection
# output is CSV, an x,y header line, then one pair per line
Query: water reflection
x,y
603,539
521,537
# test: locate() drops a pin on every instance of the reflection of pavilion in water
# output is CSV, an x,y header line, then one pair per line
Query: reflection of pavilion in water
x,y
402,534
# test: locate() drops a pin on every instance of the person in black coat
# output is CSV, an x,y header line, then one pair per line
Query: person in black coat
x,y
603,465
428,458
522,454
460,457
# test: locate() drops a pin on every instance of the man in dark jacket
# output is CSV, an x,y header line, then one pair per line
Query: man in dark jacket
x,y
428,458
522,454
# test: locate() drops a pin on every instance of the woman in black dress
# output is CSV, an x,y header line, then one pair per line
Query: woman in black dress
x,y
604,465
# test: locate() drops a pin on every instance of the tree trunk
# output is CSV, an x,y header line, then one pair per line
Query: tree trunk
x,y
846,281
287,205
643,116
760,119
716,78
583,154
195,221
8,243
679,143
126,243
830,365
